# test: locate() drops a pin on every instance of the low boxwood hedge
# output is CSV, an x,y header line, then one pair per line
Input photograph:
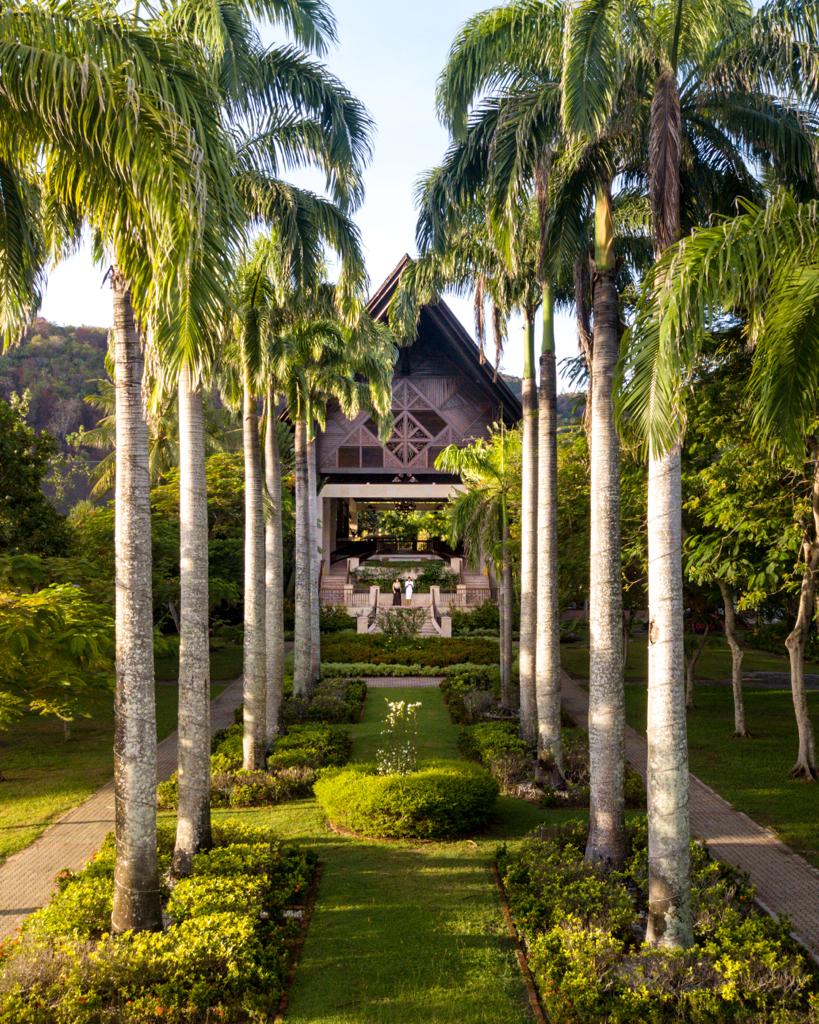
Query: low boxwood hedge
x,y
440,800
378,649
583,929
380,669
223,954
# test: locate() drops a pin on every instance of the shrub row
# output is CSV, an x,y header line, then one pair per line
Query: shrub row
x,y
223,956
335,700
583,931
330,670
291,767
440,800
498,746
375,648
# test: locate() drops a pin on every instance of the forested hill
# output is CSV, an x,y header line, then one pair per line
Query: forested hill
x,y
59,366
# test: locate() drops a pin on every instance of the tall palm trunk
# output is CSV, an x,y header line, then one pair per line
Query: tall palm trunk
x,y
274,577
606,842
805,767
505,605
315,562
547,637
669,898
254,692
136,879
528,539
669,884
302,632
731,638
193,816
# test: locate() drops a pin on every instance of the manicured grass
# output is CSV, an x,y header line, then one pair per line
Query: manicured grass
x,y
714,662
225,665
407,933
751,774
43,775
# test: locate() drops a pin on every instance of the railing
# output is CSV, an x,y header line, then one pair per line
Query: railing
x,y
391,545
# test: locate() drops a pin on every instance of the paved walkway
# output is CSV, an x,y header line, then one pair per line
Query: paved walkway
x,y
27,877
785,882
415,682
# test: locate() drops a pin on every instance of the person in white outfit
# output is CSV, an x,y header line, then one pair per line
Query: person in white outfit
x,y
408,589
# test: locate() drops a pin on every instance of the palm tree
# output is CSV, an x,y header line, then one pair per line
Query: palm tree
x,y
764,266
674,55
490,471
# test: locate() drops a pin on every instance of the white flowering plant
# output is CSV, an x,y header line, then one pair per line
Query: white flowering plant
x,y
398,754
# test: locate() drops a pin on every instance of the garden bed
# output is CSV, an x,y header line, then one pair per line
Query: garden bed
x,y
431,651
224,954
583,932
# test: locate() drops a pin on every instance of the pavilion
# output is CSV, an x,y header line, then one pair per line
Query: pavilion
x,y
443,393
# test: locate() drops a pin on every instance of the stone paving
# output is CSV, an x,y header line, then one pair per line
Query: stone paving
x,y
27,877
785,882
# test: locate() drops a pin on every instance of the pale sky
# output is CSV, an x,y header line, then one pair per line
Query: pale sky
x,y
389,54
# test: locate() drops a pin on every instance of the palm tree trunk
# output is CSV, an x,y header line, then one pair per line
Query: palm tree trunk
x,y
606,842
193,816
302,632
547,635
805,767
254,692
528,540
315,564
737,652
506,599
669,884
669,897
274,578
136,879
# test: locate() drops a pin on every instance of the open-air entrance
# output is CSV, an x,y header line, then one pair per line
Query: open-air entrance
x,y
381,502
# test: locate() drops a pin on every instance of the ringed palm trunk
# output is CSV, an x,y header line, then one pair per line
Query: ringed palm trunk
x,y
805,767
606,842
669,898
547,637
274,578
737,653
315,563
136,879
302,635
528,540
505,604
193,815
669,883
254,691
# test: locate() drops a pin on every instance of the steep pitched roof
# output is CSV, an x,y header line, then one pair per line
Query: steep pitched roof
x,y
462,346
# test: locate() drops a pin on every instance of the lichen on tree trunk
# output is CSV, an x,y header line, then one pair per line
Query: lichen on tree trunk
x,y
193,816
136,880
274,577
606,842
255,662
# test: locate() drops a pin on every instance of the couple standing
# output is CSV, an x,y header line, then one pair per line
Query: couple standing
x,y
396,592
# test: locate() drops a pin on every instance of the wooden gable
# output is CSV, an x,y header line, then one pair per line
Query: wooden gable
x,y
442,394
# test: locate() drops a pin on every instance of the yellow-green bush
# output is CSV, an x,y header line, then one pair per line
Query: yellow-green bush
x,y
441,799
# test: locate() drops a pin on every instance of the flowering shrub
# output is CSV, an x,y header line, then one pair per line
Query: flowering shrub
x,y
223,956
439,800
583,931
399,753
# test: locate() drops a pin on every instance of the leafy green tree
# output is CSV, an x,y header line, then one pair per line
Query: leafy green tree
x,y
481,518
28,523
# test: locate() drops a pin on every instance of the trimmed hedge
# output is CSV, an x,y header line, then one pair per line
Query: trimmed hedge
x,y
377,649
334,700
440,800
223,956
378,669
583,931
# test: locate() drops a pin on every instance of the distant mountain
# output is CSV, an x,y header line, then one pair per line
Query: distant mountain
x,y
59,366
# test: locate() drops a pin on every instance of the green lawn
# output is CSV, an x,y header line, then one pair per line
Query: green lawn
x,y
406,933
751,774
44,775
714,662
225,665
